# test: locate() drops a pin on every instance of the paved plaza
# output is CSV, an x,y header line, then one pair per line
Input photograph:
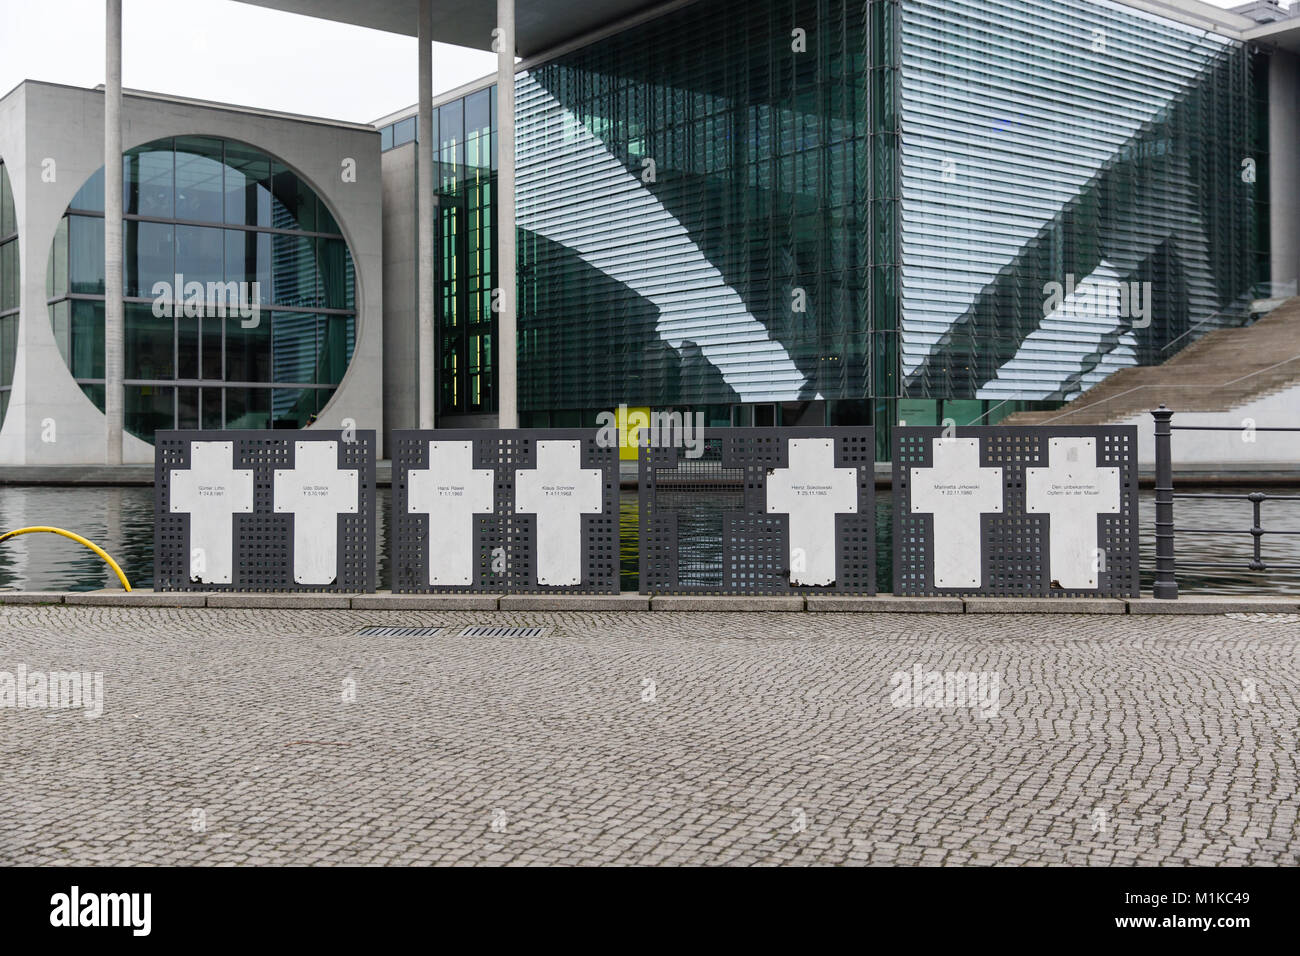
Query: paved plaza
x,y
278,737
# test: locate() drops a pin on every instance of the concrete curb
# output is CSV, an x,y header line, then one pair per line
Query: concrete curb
x,y
886,604
1043,605
630,601
729,602
387,601
575,602
1215,605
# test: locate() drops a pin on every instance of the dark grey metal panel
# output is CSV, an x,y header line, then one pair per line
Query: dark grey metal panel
x,y
704,526
1016,544
263,558
505,542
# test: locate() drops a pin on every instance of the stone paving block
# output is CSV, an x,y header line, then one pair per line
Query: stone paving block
x,y
1043,605
1212,604
387,601
729,602
628,601
279,599
887,603
137,597
31,597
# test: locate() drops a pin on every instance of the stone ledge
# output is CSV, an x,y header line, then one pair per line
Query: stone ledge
x,y
31,597
299,600
1215,604
139,597
885,603
387,601
575,602
1043,605
727,602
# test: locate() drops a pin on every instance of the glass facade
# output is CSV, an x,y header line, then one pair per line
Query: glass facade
x,y
9,297
851,211
263,324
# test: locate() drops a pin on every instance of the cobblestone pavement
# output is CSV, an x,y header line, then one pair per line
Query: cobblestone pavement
x,y
642,738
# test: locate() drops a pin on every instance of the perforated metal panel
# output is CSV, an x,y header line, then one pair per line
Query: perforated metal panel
x,y
704,525
504,542
263,541
1015,545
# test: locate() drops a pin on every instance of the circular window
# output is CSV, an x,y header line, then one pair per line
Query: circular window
x,y
238,290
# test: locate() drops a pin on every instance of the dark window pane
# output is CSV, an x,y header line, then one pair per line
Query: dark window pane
x,y
8,221
292,407
477,113
90,196
86,255
293,204
248,186
150,344
293,338
248,259
8,349
149,253
147,409
199,255
211,417
187,348
150,184
61,321
212,347
9,275
248,352
248,408
199,182
386,139
87,339
294,277
335,348
336,276
187,408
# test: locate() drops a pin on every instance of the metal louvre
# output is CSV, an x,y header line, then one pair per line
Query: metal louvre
x,y
263,541
704,526
505,558
1015,545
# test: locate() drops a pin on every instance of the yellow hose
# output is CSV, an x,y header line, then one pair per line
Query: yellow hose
x,y
80,540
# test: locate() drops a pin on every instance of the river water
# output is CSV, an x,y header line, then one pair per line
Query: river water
x,y
120,520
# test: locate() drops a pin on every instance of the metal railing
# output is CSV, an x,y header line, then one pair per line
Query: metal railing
x,y
1165,585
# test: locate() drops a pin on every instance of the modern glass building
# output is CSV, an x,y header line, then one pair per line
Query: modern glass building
x,y
853,211
208,211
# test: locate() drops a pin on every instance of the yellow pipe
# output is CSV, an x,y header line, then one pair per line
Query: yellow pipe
x,y
80,540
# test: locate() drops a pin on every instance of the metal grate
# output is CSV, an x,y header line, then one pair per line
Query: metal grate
x,y
501,630
399,631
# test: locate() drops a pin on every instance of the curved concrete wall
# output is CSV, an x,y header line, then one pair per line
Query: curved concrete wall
x,y
40,122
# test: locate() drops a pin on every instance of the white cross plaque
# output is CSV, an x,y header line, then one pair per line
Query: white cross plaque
x,y
1072,491
315,491
451,491
812,491
212,491
956,490
559,491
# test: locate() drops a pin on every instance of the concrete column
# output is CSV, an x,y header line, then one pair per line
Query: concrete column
x,y
507,376
424,225
113,321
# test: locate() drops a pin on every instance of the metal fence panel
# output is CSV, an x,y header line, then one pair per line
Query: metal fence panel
x,y
482,523
264,510
722,522
1034,510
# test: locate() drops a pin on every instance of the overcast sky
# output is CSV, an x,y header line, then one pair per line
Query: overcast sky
x,y
233,53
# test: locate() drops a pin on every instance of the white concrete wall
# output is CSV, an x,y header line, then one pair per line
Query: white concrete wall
x,y
40,121
1231,449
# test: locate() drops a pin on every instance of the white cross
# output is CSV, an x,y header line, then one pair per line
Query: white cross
x,y
559,490
451,491
1072,491
956,490
812,491
212,491
315,491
